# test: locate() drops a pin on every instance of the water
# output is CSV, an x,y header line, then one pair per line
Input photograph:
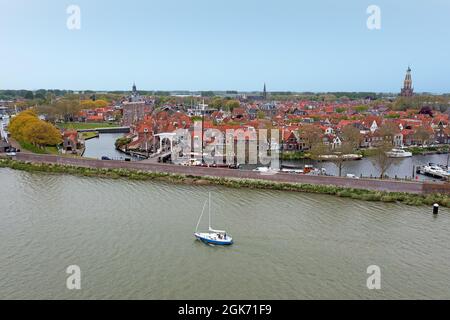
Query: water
x,y
135,240
402,167
103,146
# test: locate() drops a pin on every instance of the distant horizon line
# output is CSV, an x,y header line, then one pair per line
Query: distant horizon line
x,y
226,91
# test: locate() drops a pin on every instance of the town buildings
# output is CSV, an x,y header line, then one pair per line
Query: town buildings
x,y
291,119
134,108
376,122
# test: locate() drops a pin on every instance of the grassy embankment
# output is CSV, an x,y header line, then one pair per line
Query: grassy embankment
x,y
32,148
86,125
89,135
47,150
428,150
358,194
294,155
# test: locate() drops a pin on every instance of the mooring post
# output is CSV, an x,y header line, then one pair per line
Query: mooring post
x,y
435,208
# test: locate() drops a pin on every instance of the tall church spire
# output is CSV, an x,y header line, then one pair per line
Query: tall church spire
x,y
265,92
134,97
408,90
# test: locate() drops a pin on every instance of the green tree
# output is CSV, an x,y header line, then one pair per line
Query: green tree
x,y
311,135
388,131
261,115
27,127
41,134
381,159
422,135
68,107
19,123
29,95
231,105
352,136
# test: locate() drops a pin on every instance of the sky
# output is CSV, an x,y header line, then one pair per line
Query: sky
x,y
292,45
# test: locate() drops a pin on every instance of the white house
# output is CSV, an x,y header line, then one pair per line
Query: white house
x,y
374,127
336,143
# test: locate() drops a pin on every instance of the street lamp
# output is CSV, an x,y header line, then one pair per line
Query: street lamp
x,y
448,158
146,141
153,142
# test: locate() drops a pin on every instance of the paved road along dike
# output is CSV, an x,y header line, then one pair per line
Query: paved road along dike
x,y
370,184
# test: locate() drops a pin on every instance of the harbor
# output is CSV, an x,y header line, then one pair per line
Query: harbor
x,y
402,168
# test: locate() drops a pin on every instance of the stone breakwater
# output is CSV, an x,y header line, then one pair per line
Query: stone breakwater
x,y
366,184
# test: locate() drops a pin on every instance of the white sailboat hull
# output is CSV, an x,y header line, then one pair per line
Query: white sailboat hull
x,y
213,238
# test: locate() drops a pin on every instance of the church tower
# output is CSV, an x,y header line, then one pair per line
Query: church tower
x,y
265,92
134,97
407,90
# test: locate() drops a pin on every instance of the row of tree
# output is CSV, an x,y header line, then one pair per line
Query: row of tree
x,y
27,127
30,95
440,103
67,108
225,104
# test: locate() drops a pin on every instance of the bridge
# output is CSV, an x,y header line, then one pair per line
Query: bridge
x,y
154,158
161,154
3,132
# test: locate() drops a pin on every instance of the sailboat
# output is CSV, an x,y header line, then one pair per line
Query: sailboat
x,y
215,237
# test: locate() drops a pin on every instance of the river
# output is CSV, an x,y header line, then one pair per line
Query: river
x,y
135,240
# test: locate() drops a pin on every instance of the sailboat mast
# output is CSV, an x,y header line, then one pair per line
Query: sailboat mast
x,y
209,211
199,219
203,125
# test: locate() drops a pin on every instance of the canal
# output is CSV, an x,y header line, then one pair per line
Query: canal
x,y
104,146
134,239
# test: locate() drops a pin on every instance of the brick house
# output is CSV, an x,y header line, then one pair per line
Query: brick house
x,y
70,141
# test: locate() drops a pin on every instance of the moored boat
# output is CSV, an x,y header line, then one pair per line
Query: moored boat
x,y
326,157
435,171
266,170
399,153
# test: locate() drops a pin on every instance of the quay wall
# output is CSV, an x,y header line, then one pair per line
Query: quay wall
x,y
107,130
369,184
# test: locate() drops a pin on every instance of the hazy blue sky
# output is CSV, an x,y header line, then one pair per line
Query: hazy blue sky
x,y
321,45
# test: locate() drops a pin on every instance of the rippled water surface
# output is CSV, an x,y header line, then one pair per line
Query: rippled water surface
x,y
134,240
103,146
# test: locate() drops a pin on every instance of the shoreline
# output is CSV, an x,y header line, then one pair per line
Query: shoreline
x,y
406,198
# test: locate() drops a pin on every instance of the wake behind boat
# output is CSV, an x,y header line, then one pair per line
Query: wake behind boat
x,y
215,237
